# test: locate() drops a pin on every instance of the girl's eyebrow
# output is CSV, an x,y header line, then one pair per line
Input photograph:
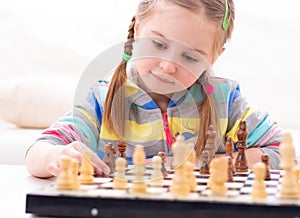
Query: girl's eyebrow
x,y
193,49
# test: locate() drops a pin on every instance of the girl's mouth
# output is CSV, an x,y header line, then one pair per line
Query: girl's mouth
x,y
162,79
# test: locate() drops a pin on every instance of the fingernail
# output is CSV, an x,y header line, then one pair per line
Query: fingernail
x,y
106,171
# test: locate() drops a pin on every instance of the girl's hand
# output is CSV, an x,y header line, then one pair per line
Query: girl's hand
x,y
76,150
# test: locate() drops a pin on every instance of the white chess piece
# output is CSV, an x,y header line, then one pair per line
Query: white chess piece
x,y
157,178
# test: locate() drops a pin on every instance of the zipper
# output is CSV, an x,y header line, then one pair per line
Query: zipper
x,y
167,130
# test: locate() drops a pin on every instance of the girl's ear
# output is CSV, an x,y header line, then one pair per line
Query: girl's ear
x,y
222,51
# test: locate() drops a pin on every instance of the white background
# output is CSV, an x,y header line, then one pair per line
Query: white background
x,y
64,36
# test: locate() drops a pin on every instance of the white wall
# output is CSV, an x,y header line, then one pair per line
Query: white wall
x,y
64,36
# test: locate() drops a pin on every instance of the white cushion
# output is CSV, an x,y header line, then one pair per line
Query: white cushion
x,y
36,101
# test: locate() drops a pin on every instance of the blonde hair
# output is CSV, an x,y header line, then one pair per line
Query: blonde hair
x,y
115,103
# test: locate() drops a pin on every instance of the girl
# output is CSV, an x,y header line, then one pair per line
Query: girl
x,y
163,85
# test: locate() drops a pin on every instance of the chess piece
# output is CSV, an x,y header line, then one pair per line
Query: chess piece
x,y
110,157
259,186
210,145
74,173
191,176
296,171
181,151
86,171
120,181
265,160
219,175
181,185
139,160
241,164
64,179
229,147
289,187
122,148
230,169
162,155
157,177
204,168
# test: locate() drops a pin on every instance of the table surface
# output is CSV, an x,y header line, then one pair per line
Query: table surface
x,y
15,183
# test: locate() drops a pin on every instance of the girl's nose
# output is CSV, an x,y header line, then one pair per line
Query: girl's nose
x,y
168,66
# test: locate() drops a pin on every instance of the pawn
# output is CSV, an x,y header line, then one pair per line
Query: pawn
x,y
122,148
265,160
230,169
86,171
180,185
64,179
139,160
120,181
157,178
162,155
259,186
74,173
204,168
289,188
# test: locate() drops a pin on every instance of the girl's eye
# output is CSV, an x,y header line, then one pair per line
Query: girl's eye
x,y
159,45
189,58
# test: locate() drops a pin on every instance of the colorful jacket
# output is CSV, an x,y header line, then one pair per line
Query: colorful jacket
x,y
146,124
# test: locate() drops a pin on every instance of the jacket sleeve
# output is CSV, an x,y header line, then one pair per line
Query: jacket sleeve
x,y
82,123
263,131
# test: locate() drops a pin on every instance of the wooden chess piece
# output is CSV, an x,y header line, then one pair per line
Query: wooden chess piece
x,y
181,185
229,153
121,149
259,186
162,155
219,175
120,181
210,145
157,178
241,164
181,151
86,171
204,168
64,179
289,187
230,169
191,176
110,157
139,160
74,173
265,160
296,171
229,147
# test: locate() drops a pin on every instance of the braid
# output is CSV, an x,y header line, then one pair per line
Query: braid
x,y
115,105
208,115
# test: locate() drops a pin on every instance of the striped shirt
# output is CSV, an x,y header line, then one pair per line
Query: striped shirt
x,y
146,125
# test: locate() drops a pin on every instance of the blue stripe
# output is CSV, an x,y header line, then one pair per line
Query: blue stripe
x,y
233,95
98,109
259,131
100,154
150,105
84,128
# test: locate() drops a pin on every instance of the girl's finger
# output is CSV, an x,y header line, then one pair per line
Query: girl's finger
x,y
53,169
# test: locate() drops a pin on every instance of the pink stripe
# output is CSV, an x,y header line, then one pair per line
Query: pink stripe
x,y
70,132
55,133
167,130
271,134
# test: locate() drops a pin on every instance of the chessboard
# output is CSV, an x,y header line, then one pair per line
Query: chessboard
x,y
100,199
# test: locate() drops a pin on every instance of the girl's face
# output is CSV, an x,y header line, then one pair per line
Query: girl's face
x,y
173,48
